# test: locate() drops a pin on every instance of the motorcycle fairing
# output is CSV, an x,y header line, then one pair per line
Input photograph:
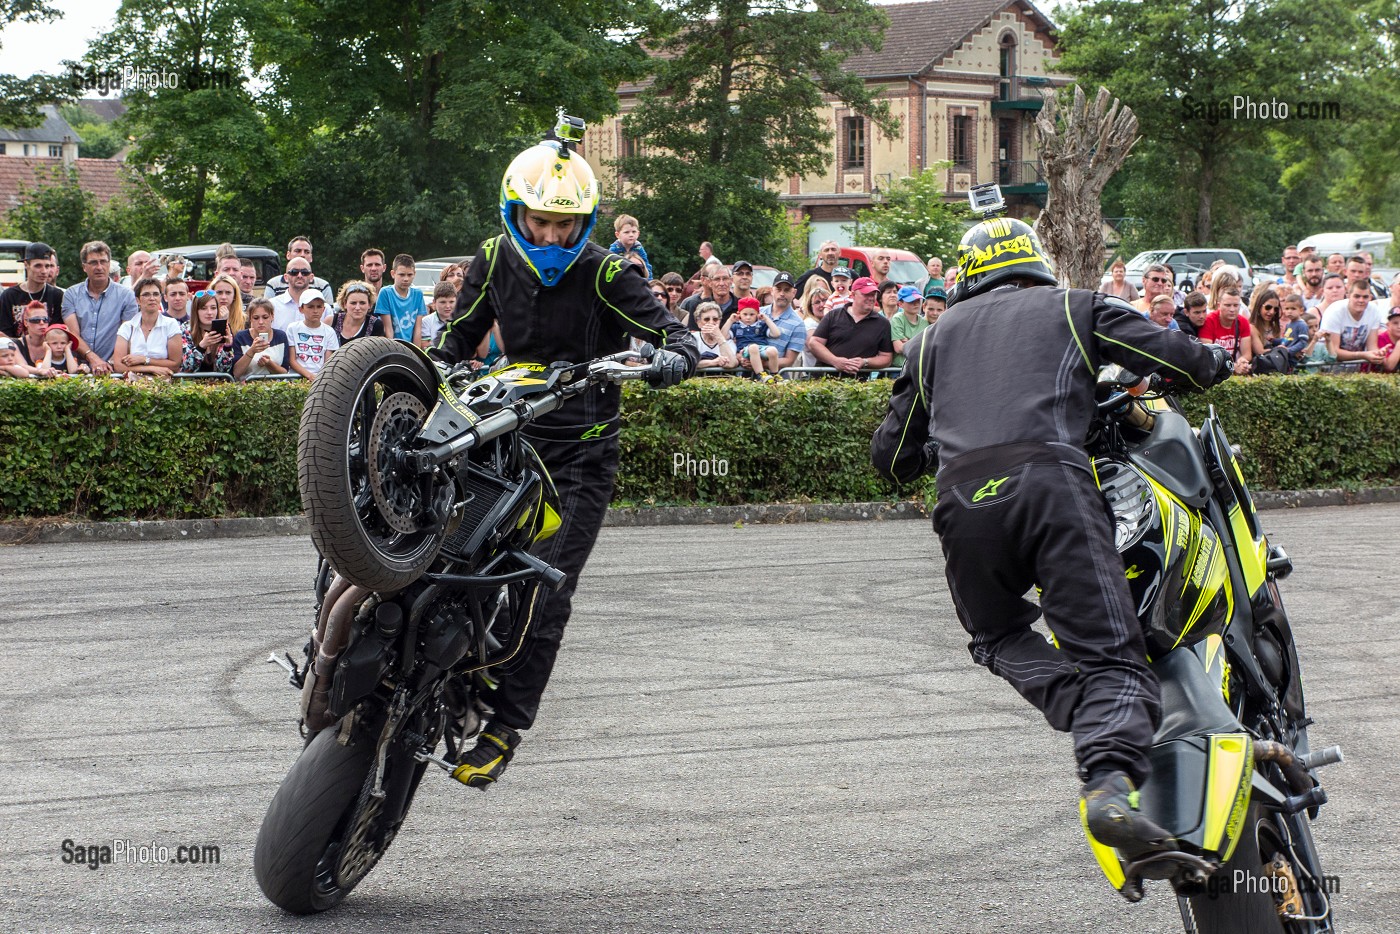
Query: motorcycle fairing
x,y
1250,541
1202,764
1176,568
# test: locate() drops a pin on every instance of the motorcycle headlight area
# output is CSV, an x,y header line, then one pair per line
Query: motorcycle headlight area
x,y
1130,497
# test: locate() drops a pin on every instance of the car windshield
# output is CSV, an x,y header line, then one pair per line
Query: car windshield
x,y
907,271
1205,257
1140,262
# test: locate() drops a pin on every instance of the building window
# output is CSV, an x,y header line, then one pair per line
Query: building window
x,y
31,150
55,151
1006,68
3,151
629,147
962,142
855,142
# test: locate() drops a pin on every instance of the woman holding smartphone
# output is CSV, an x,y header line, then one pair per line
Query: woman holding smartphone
x,y
230,299
260,349
207,346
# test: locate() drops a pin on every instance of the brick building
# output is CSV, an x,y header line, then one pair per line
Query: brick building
x,y
964,80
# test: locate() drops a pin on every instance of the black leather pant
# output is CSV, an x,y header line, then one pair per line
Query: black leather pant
x,y
583,474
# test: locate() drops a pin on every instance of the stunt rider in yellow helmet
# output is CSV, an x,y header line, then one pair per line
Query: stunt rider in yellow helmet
x,y
558,297
1018,505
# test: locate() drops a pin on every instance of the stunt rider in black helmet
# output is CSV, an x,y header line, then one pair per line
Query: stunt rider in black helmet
x,y
558,297
1018,505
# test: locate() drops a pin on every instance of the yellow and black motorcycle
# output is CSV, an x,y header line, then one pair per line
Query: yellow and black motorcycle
x,y
425,503
1233,775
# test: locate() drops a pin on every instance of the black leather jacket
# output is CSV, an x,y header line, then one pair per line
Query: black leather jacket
x,y
599,303
1016,365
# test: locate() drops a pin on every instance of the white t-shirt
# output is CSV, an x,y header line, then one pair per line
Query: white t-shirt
x,y
429,326
1354,334
720,348
155,345
311,346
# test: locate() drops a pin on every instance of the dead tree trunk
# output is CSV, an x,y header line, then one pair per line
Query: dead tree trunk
x,y
1080,152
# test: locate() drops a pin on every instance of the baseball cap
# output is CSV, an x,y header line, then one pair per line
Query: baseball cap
x,y
749,302
784,278
843,272
59,327
910,294
7,344
741,264
309,296
865,286
1392,313
939,294
37,250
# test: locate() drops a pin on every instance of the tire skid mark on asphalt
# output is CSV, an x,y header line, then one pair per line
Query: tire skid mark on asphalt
x,y
730,747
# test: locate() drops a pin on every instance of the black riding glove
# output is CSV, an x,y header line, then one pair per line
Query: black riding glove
x,y
668,368
1224,364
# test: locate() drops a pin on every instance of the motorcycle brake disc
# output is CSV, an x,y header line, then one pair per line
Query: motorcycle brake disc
x,y
396,494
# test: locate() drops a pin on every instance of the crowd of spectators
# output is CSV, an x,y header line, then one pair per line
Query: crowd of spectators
x,y
1322,312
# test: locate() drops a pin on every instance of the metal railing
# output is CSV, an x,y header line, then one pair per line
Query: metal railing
x,y
1011,173
212,377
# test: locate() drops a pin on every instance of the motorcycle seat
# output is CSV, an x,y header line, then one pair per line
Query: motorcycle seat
x,y
1192,704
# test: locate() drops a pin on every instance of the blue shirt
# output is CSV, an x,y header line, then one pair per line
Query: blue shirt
x,y
404,311
745,334
99,318
794,336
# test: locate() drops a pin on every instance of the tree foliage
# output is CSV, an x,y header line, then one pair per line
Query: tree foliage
x,y
1182,67
915,216
736,100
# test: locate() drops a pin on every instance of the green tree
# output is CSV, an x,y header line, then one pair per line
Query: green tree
x,y
205,131
1181,66
57,211
428,107
735,102
915,217
101,139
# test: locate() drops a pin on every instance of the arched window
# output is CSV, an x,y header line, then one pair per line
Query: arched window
x,y
1006,89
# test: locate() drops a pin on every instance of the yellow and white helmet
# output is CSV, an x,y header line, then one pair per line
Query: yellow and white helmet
x,y
549,177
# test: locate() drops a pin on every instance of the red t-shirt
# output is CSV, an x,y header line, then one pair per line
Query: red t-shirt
x,y
1213,332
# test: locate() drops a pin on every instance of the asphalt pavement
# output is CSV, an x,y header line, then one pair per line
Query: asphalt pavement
x,y
766,728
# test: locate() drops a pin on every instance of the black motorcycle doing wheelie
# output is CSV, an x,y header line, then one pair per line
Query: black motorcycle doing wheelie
x,y
1233,775
425,502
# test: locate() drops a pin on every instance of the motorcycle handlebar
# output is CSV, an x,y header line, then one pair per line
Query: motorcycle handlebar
x,y
609,369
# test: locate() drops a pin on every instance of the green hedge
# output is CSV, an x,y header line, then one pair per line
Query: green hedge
x,y
107,449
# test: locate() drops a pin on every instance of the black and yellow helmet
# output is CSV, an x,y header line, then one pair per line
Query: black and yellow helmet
x,y
996,250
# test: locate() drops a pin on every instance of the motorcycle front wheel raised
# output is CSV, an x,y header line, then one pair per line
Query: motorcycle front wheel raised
x,y
370,514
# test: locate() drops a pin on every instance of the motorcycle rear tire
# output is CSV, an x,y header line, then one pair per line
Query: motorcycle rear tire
x,y
1238,912
303,820
335,471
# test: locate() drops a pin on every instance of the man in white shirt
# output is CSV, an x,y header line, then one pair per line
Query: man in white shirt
x,y
1352,328
297,248
286,306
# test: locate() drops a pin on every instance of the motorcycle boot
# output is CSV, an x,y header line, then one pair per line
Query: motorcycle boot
x,y
1109,807
486,762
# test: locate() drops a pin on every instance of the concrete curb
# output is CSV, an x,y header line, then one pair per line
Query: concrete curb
x,y
49,531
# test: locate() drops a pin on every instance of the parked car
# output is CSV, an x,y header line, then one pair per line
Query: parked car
x,y
12,262
905,267
427,272
201,266
1198,257
1373,242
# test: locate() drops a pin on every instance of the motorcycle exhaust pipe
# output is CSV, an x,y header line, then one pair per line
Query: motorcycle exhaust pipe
x,y
1299,782
338,611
